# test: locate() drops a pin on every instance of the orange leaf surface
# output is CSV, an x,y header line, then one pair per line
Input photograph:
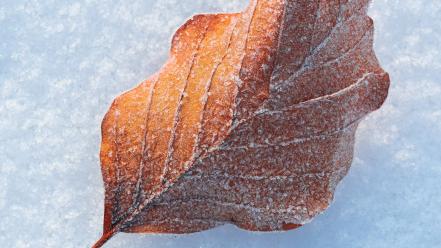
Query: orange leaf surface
x,y
251,121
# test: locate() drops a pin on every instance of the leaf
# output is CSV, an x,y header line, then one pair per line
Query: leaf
x,y
251,121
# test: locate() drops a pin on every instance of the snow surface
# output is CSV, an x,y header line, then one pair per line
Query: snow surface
x,y
62,63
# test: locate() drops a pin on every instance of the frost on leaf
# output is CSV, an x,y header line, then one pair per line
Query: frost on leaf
x,y
251,121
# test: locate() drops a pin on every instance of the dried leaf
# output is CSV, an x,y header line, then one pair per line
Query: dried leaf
x,y
251,121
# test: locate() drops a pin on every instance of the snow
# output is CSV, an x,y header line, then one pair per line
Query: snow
x,y
62,63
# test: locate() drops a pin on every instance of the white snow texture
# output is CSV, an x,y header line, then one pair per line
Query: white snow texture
x,y
62,63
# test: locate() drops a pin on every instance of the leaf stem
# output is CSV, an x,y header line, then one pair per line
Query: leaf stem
x,y
106,236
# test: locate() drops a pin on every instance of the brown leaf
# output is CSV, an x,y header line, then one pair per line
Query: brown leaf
x,y
251,121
